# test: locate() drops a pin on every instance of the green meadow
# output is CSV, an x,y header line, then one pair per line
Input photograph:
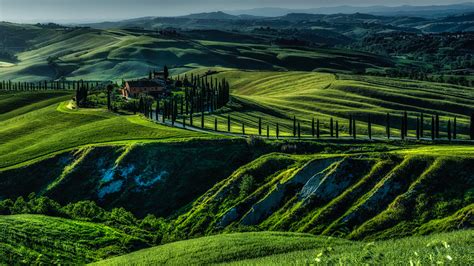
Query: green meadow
x,y
276,97
275,248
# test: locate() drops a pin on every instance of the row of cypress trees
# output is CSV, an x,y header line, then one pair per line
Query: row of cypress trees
x,y
334,128
47,85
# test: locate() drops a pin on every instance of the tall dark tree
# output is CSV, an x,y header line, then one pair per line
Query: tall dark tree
x,y
402,128
337,129
228,123
455,128
369,127
313,132
449,130
417,128
422,125
166,72
354,129
331,126
215,124
405,127
294,126
259,126
350,125
432,128
387,129
437,126
471,132
243,128
157,110
268,131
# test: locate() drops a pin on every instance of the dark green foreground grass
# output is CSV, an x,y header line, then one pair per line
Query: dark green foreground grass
x,y
272,248
32,239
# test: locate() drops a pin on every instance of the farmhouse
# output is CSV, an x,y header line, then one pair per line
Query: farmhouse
x,y
154,87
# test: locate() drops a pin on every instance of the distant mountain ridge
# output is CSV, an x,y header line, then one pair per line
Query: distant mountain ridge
x,y
404,10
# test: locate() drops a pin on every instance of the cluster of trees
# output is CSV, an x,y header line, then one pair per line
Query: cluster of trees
x,y
437,54
420,74
151,229
202,93
8,85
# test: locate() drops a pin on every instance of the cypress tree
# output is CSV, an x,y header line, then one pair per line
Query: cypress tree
x,y
259,126
294,126
405,127
369,128
243,128
449,129
402,129
191,118
215,124
317,129
471,132
268,131
437,126
388,126
228,123
354,130
432,128
331,126
157,110
417,128
277,131
312,128
350,125
184,121
422,124
337,129
455,128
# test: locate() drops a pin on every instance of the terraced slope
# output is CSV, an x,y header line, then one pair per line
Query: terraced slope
x,y
38,239
278,96
119,54
270,248
364,196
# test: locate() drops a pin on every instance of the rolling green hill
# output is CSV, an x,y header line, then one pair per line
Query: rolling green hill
x,y
40,126
37,239
78,53
267,248
360,196
278,96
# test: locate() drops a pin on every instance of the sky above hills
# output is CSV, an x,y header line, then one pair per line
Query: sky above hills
x,y
101,10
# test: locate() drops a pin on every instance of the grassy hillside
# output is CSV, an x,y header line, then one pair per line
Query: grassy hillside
x,y
18,103
289,248
119,54
278,96
363,196
39,127
37,239
158,178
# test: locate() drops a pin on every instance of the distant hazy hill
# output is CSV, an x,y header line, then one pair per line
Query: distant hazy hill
x,y
405,10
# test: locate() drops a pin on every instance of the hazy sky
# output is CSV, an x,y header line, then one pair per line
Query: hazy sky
x,y
100,10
